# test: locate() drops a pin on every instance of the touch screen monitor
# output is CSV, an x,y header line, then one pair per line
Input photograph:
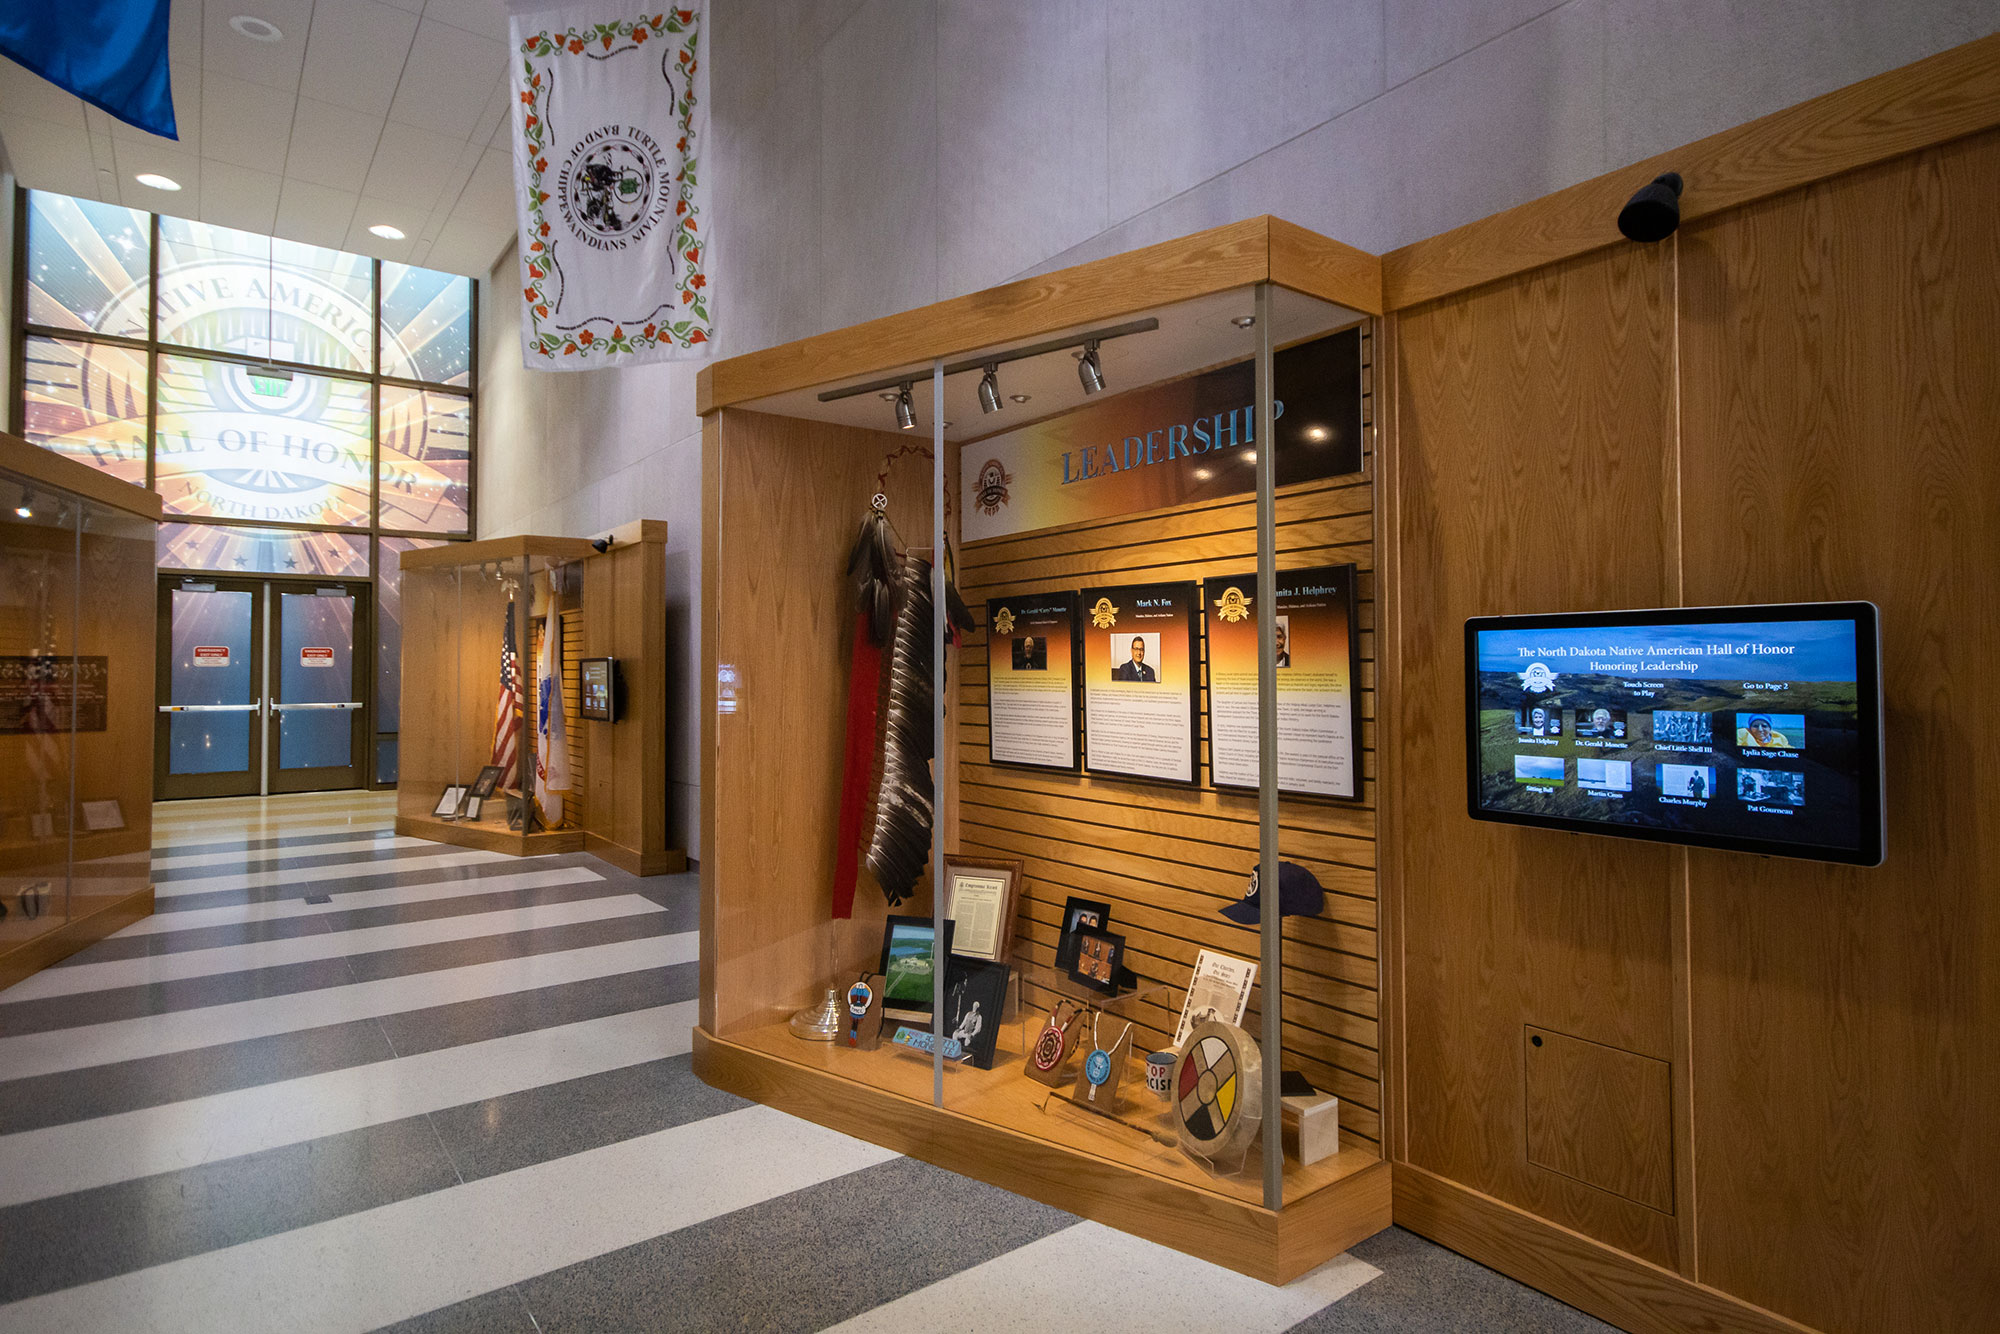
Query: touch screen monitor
x,y
1755,729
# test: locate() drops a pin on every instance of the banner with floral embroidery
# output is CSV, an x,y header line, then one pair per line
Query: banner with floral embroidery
x,y
609,114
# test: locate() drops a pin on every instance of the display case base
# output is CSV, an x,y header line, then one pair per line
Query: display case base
x,y
994,1128
488,838
672,861
113,915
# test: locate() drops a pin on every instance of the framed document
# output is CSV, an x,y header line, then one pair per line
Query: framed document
x,y
1031,681
102,815
1319,677
979,900
1219,990
1139,697
448,804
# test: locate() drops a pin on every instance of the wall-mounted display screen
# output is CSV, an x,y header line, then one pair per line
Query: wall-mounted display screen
x,y
1755,729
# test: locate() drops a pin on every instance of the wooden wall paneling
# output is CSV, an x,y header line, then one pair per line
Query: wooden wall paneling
x,y
1601,1115
625,598
1533,423
1841,400
780,617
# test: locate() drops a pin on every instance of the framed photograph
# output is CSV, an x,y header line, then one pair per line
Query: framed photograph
x,y
1079,915
979,899
488,780
448,804
1141,702
1318,656
910,959
1099,956
975,998
1031,681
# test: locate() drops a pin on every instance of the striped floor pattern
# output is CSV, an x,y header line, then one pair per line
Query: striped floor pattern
x,y
456,1095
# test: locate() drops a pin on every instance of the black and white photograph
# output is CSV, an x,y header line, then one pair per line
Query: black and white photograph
x,y
975,998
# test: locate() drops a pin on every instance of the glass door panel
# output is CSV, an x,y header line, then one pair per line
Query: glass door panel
x,y
211,696
316,701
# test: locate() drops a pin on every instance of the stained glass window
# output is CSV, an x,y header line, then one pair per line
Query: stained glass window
x,y
87,265
426,461
426,325
210,546
228,291
232,443
87,401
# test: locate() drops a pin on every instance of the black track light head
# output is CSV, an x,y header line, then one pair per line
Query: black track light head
x,y
1654,211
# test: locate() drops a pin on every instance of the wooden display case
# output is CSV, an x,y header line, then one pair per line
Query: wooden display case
x,y
786,480
458,601
76,695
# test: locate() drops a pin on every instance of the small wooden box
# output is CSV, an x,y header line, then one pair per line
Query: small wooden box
x,y
1312,1126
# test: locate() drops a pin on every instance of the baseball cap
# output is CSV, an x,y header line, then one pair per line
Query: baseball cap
x,y
1299,895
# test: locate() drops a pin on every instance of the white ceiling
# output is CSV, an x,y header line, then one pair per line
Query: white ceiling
x,y
367,111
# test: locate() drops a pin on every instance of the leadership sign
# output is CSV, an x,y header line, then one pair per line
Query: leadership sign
x,y
609,111
1170,444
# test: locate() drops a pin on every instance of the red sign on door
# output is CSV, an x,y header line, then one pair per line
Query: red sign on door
x,y
315,657
211,655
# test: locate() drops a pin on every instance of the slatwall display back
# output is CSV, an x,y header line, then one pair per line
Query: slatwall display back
x,y
1167,858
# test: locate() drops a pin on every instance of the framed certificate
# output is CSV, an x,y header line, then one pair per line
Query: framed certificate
x,y
449,802
1319,676
979,899
1031,681
1139,698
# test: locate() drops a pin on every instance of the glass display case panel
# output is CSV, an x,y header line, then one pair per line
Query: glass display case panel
x,y
228,291
426,461
87,401
426,325
468,677
114,758
89,265
235,442
228,550
389,645
38,701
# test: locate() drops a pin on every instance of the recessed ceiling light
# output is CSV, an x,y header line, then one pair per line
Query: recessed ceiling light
x,y
1317,433
386,232
1018,398
157,181
256,29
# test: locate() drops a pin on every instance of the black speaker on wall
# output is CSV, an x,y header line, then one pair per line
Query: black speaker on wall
x,y
1654,210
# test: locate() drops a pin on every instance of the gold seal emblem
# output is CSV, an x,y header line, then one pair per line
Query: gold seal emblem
x,y
991,492
1003,622
1232,606
1104,615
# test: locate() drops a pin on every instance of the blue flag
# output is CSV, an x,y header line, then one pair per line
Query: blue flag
x,y
110,53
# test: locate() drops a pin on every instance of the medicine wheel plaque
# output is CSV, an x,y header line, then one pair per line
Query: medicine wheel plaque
x,y
1218,1091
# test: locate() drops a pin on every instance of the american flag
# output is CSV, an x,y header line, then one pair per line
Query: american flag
x,y
507,710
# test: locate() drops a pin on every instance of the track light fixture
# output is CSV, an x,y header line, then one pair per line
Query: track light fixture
x,y
26,509
1090,369
906,408
1653,212
989,388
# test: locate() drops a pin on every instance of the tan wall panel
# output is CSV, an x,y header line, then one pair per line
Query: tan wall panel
x,y
1534,435
1841,407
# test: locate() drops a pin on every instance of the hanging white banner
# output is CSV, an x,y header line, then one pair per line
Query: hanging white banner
x,y
610,109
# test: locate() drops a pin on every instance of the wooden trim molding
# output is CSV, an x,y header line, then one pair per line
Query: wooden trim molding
x,y
498,548
1248,1238
1307,262
66,474
1943,97
31,956
1610,1284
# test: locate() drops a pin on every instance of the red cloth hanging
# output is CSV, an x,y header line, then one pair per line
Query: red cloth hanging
x,y
864,691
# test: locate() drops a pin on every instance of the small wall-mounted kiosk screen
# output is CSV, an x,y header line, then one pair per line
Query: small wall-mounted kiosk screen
x,y
1756,729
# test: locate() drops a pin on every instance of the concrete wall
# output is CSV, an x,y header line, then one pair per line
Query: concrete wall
x,y
874,155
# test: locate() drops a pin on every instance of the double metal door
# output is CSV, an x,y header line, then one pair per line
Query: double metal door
x,y
259,690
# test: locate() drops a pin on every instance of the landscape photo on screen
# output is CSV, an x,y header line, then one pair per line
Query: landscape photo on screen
x,y
1747,730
